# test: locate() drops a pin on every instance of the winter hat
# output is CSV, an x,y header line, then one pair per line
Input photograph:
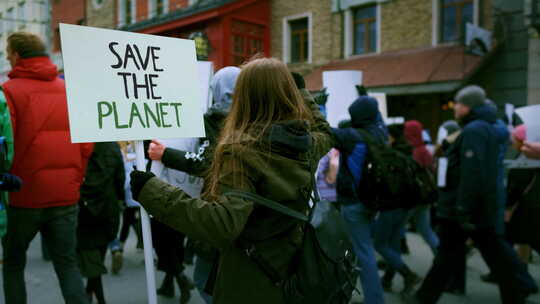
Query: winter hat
x,y
364,111
520,133
472,96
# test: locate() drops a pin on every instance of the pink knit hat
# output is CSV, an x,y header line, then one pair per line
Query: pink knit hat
x,y
520,133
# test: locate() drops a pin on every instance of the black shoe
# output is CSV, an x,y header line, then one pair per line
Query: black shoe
x,y
489,278
410,280
387,279
186,286
167,288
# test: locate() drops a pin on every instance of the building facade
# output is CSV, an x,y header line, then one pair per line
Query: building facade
x,y
226,32
31,16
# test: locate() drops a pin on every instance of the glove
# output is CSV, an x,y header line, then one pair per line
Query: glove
x,y
465,222
138,180
10,182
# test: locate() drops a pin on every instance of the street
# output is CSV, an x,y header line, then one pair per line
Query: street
x,y
129,286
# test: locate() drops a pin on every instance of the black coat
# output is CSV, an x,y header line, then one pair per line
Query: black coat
x,y
524,194
103,188
471,188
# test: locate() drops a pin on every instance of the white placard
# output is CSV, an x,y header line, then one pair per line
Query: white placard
x,y
341,89
129,86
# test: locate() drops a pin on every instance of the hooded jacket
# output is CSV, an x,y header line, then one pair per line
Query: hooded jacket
x,y
284,174
196,164
103,188
365,115
51,167
413,134
471,188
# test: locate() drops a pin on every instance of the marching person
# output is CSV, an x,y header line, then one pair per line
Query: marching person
x,y
468,203
99,215
51,167
270,140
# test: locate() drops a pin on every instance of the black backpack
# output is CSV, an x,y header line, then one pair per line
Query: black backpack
x,y
389,178
324,270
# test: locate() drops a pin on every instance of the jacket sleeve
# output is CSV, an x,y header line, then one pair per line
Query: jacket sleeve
x,y
195,164
217,222
12,111
320,130
120,177
472,159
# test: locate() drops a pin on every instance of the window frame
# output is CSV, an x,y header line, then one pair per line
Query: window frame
x,y
348,48
437,12
122,14
247,39
287,37
152,8
366,22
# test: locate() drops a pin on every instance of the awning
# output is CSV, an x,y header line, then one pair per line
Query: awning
x,y
417,71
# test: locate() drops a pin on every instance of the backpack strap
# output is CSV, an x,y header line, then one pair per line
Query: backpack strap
x,y
257,199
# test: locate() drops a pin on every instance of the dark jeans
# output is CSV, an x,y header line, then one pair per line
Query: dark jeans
x,y
57,226
449,257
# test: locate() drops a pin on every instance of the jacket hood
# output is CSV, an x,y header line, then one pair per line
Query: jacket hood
x,y
364,111
486,113
292,136
413,133
38,68
223,84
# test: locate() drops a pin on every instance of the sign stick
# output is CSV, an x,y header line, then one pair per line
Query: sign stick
x,y
147,234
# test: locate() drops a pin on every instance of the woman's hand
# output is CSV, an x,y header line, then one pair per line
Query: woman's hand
x,y
156,150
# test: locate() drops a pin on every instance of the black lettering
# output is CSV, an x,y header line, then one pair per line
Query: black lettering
x,y
119,63
125,75
137,86
152,85
155,57
144,63
129,54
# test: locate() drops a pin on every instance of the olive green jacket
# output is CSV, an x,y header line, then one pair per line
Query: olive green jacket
x,y
284,175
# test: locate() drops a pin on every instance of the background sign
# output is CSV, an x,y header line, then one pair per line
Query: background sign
x,y
128,86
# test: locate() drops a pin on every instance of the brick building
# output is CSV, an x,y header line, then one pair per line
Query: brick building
x,y
101,13
412,50
228,31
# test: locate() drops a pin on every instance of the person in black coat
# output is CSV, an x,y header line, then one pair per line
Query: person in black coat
x,y
468,204
99,215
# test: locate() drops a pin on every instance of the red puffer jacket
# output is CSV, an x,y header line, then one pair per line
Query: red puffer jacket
x,y
51,167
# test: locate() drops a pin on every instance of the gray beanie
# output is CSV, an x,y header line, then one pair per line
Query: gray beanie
x,y
471,96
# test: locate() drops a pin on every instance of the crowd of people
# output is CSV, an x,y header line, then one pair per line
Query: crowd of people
x,y
265,135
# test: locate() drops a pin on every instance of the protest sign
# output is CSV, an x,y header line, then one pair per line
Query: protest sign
x,y
128,86
341,88
124,86
529,115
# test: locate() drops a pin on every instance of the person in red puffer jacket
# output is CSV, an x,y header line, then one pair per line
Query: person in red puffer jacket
x,y
51,167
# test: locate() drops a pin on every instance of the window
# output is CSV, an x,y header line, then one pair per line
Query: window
x,y
299,40
454,15
157,7
126,12
365,30
247,40
128,16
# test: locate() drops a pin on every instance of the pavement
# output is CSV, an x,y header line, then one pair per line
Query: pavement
x,y
129,287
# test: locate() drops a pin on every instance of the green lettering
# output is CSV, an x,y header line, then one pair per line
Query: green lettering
x,y
176,105
102,114
135,112
118,126
163,114
155,116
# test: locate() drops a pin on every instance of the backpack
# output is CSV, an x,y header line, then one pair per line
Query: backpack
x,y
386,179
324,269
